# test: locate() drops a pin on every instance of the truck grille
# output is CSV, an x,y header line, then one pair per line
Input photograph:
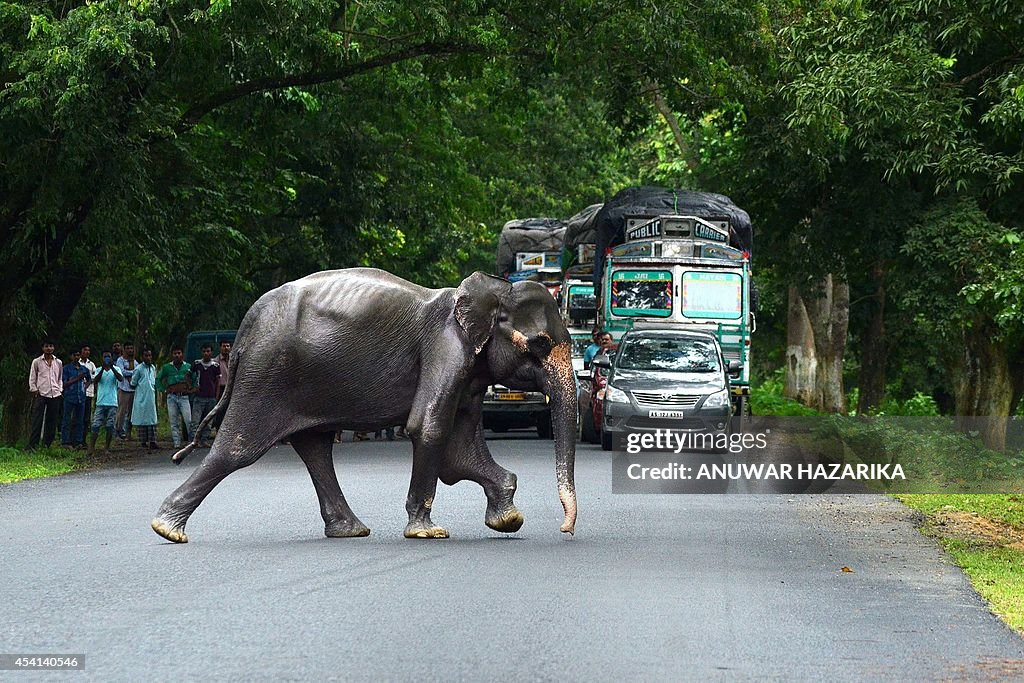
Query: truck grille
x,y
654,398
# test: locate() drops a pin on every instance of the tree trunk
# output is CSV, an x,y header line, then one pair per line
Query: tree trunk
x,y
801,362
983,386
873,353
16,414
828,310
1017,379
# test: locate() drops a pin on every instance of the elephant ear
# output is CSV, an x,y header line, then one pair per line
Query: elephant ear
x,y
477,301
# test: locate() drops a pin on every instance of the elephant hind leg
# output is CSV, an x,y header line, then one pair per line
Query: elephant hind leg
x,y
227,455
315,449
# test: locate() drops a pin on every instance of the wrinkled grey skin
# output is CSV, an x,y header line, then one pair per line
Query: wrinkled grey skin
x,y
362,349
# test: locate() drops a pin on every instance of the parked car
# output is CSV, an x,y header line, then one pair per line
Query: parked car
x,y
666,379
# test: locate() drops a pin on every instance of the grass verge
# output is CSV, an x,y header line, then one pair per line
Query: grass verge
x,y
985,536
16,464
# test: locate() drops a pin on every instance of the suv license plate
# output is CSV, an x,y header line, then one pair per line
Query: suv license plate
x,y
511,396
666,413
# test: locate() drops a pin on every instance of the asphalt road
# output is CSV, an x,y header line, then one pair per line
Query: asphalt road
x,y
651,587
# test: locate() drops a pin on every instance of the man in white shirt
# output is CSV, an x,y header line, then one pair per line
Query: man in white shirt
x,y
46,383
90,389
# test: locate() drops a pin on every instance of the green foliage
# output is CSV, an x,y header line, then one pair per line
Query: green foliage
x,y
766,399
934,455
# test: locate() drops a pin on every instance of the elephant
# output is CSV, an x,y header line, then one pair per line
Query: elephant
x,y
363,349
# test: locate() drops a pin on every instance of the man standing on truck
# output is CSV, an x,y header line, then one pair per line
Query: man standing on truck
x,y
206,372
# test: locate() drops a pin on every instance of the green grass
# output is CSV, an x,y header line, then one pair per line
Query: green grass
x,y
985,536
17,464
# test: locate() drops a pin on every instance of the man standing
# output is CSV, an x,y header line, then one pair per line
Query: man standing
x,y
207,373
225,355
105,381
72,431
115,351
144,401
45,382
175,379
125,392
90,389
222,381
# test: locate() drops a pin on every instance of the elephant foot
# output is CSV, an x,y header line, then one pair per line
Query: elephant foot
x,y
508,521
425,530
171,533
346,529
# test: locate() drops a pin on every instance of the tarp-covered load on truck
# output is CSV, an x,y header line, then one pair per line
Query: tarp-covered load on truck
x,y
580,237
609,223
527,236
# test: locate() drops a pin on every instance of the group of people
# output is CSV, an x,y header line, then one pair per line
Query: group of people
x,y
602,341
121,393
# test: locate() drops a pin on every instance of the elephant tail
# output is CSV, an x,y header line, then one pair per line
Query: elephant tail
x,y
216,412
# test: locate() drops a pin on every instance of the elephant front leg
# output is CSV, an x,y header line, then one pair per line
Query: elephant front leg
x,y
467,457
422,487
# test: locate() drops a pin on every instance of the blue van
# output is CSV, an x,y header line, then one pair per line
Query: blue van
x,y
195,341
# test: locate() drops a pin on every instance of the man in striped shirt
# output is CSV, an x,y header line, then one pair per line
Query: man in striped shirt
x,y
46,383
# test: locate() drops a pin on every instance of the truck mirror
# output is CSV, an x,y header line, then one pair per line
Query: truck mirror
x,y
602,360
735,367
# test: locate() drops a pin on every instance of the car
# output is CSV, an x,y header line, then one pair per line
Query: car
x,y
591,400
666,378
505,409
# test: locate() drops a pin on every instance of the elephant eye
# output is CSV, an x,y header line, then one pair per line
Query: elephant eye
x,y
503,317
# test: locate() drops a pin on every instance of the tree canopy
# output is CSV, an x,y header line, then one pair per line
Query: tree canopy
x,y
165,162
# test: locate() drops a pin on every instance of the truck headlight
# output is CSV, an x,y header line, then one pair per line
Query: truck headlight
x,y
719,399
613,395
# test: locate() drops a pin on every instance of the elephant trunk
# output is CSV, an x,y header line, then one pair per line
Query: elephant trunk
x,y
561,382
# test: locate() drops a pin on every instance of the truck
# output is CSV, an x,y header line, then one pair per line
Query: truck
x,y
528,249
577,303
683,258
681,269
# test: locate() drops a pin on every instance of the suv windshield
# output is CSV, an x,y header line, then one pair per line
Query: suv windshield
x,y
668,354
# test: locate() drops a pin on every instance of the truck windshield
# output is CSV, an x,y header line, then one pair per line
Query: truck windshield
x,y
669,355
582,296
712,295
642,293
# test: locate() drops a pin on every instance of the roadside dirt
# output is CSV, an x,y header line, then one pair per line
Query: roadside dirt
x,y
978,530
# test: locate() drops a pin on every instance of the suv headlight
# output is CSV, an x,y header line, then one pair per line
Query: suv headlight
x,y
613,395
719,399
